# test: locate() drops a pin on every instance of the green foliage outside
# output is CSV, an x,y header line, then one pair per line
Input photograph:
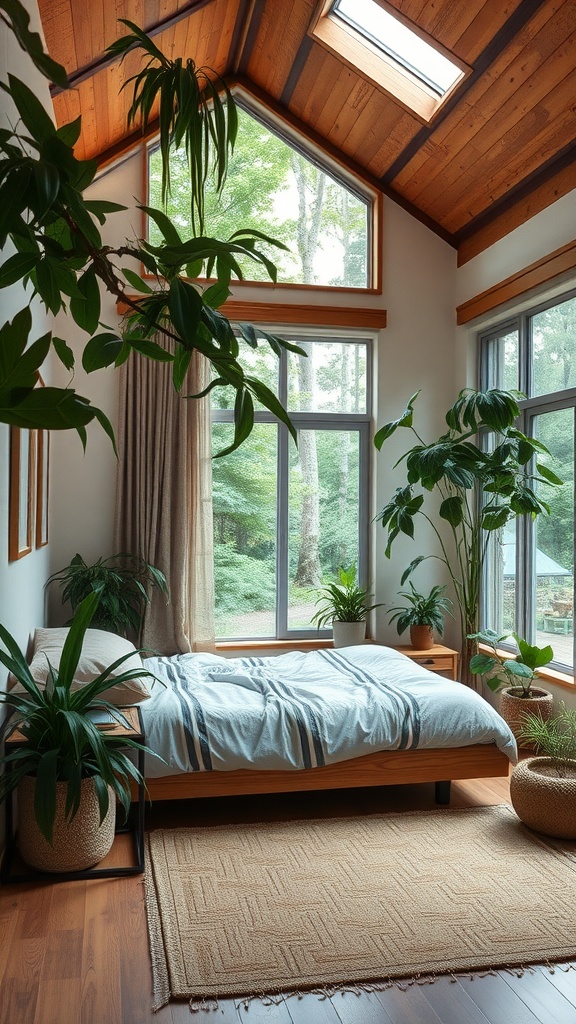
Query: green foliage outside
x,y
276,190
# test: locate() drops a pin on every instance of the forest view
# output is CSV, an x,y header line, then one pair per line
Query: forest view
x,y
285,517
553,344
276,189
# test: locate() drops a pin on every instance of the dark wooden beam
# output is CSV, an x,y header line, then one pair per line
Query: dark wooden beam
x,y
525,10
532,181
243,45
105,60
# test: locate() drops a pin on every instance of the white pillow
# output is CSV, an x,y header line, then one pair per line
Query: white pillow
x,y
99,650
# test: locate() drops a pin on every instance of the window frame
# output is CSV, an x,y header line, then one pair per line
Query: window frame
x,y
332,32
530,407
296,137
360,423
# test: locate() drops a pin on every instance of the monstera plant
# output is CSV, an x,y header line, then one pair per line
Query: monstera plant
x,y
59,250
485,472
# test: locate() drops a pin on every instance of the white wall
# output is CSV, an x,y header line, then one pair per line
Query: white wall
x,y
21,581
415,353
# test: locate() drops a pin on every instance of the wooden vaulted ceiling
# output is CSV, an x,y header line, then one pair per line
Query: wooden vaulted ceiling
x,y
502,148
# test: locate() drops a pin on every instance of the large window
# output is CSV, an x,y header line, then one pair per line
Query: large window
x,y
280,188
529,583
286,517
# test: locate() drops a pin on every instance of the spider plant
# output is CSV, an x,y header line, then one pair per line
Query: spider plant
x,y
343,601
554,737
62,743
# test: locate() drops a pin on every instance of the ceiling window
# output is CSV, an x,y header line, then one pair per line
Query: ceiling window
x,y
391,51
279,187
399,42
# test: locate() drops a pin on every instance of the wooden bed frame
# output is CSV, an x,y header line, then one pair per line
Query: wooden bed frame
x,y
382,768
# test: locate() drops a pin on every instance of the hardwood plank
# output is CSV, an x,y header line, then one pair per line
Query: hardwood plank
x,y
409,1005
451,1002
497,1001
100,986
359,1008
311,1007
545,1001
259,1012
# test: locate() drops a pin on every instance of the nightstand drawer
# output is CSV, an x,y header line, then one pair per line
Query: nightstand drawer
x,y
441,660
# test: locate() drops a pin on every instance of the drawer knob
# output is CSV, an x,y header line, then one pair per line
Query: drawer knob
x,y
428,661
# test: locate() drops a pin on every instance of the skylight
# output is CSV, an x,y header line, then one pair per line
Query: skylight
x,y
399,43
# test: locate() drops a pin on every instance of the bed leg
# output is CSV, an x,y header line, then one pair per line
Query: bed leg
x,y
442,792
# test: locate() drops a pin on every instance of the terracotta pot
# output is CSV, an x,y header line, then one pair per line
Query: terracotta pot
x,y
514,709
77,844
422,637
543,799
348,634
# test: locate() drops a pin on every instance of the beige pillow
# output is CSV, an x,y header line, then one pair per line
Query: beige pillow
x,y
99,650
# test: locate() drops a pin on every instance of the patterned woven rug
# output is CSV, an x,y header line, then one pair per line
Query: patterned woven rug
x,y
247,910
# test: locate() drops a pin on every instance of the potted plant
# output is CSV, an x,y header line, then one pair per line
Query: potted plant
x,y
122,581
422,614
344,606
514,677
69,773
480,487
543,788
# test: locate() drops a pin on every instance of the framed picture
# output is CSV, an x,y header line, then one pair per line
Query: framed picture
x,y
42,486
22,492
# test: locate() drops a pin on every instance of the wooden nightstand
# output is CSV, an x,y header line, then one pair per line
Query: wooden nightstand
x,y
441,660
135,731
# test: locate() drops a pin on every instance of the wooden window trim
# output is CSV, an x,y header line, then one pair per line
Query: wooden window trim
x,y
541,272
361,56
363,318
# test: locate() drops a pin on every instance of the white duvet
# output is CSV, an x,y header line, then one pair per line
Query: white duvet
x,y
302,710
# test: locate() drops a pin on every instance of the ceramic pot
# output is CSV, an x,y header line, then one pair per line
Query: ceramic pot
x,y
514,709
348,634
543,799
421,637
77,844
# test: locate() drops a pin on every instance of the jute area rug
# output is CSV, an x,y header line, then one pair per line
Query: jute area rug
x,y
260,909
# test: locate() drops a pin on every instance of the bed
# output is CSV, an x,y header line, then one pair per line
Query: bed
x,y
357,716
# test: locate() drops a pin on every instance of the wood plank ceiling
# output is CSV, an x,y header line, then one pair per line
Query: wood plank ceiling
x,y
501,148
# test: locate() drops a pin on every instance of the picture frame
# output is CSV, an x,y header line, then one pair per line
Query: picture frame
x,y
42,486
22,492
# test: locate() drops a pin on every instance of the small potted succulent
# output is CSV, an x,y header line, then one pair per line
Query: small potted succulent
x,y
543,788
422,614
514,677
344,606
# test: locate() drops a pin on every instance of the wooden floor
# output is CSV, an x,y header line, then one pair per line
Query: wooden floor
x,y
77,952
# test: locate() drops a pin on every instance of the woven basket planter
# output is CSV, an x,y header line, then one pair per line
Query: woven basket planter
x,y
514,709
78,844
543,799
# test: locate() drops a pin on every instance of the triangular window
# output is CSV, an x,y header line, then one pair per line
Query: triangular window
x,y
277,185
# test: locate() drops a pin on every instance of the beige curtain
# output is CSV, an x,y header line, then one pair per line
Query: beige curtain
x,y
164,499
